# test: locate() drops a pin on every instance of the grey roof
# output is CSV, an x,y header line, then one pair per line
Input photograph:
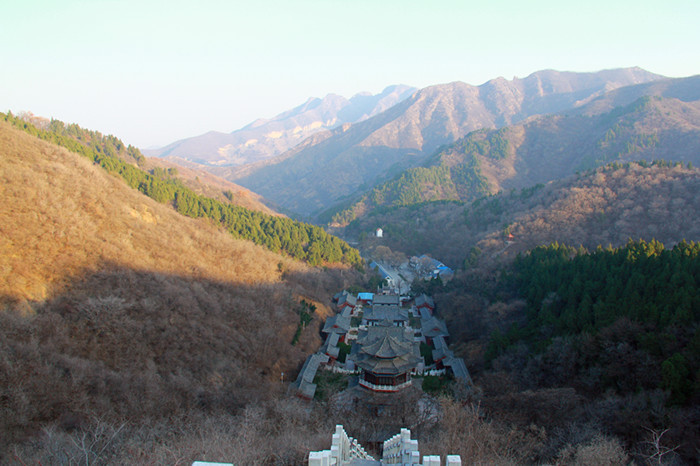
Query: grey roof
x,y
425,300
439,343
385,300
330,346
459,369
338,323
306,376
346,311
392,313
348,299
433,327
441,351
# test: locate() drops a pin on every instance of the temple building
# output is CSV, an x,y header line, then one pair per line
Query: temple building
x,y
386,355
377,314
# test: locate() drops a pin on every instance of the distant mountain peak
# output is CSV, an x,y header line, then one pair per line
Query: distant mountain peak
x,y
266,138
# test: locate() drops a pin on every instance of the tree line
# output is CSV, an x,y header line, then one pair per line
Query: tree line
x,y
299,240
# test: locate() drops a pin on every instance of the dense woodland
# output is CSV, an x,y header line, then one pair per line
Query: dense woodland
x,y
575,344
438,180
301,241
573,296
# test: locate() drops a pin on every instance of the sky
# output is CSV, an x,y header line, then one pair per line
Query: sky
x,y
153,72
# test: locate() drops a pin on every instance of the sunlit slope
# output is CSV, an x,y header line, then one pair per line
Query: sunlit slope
x,y
63,216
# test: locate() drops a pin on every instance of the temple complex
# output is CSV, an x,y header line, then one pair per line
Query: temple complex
x,y
382,340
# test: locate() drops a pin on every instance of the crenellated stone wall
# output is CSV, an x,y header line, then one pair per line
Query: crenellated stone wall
x,y
399,449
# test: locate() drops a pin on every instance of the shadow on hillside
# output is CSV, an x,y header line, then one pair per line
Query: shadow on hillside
x,y
128,344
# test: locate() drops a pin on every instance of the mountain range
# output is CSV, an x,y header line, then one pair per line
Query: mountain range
x,y
265,138
342,163
658,120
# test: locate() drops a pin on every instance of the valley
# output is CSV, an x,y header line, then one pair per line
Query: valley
x,y
523,254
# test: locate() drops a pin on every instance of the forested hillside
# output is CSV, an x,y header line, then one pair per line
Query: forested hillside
x,y
651,290
299,240
605,206
577,344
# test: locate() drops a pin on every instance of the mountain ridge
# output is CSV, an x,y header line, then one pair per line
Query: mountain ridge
x,y
544,148
403,136
264,138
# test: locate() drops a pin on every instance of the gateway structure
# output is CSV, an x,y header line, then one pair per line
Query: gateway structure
x,y
399,449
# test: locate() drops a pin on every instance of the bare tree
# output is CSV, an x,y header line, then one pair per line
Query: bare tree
x,y
658,452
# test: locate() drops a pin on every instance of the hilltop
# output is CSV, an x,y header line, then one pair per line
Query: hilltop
x,y
199,181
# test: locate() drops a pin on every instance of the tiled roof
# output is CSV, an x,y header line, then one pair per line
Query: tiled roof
x,y
425,300
433,327
386,350
392,313
386,300
337,324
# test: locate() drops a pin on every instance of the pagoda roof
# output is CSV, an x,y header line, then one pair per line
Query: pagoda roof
x,y
387,346
386,350
391,366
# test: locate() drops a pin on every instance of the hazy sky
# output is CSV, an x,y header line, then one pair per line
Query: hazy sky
x,y
152,72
